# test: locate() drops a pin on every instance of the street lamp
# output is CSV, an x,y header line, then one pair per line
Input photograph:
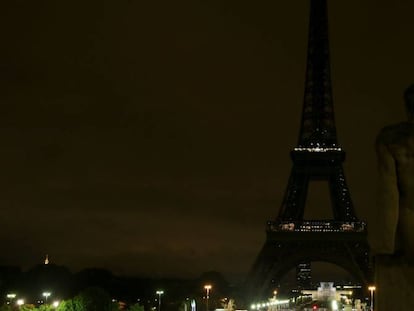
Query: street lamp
x,y
372,290
11,296
159,293
274,299
207,288
20,302
46,295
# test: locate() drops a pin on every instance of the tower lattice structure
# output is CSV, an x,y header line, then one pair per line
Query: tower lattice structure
x,y
292,240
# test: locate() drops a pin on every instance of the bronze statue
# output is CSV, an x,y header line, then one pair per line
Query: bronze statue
x,y
393,239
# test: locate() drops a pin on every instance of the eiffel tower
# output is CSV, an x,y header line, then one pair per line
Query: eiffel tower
x,y
291,240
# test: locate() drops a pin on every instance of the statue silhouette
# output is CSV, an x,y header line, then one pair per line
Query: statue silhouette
x,y
393,240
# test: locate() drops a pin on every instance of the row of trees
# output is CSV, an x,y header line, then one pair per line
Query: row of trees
x,y
91,299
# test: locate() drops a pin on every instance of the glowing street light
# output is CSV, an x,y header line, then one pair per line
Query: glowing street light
x,y
10,297
372,290
20,302
55,304
46,295
207,287
159,293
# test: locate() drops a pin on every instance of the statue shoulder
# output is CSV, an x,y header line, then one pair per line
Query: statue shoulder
x,y
392,134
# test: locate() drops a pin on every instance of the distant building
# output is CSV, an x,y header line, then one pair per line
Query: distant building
x,y
327,292
304,275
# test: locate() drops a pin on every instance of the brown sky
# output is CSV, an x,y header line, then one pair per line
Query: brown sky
x,y
153,137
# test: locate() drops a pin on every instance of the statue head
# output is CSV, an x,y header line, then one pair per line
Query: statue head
x,y
409,101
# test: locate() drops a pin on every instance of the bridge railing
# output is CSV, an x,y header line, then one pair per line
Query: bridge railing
x,y
317,226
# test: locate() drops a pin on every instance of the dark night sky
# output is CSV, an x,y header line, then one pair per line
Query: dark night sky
x,y
153,137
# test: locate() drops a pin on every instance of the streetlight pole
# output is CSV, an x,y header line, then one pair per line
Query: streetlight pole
x,y
11,297
207,288
372,290
275,299
46,295
159,293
